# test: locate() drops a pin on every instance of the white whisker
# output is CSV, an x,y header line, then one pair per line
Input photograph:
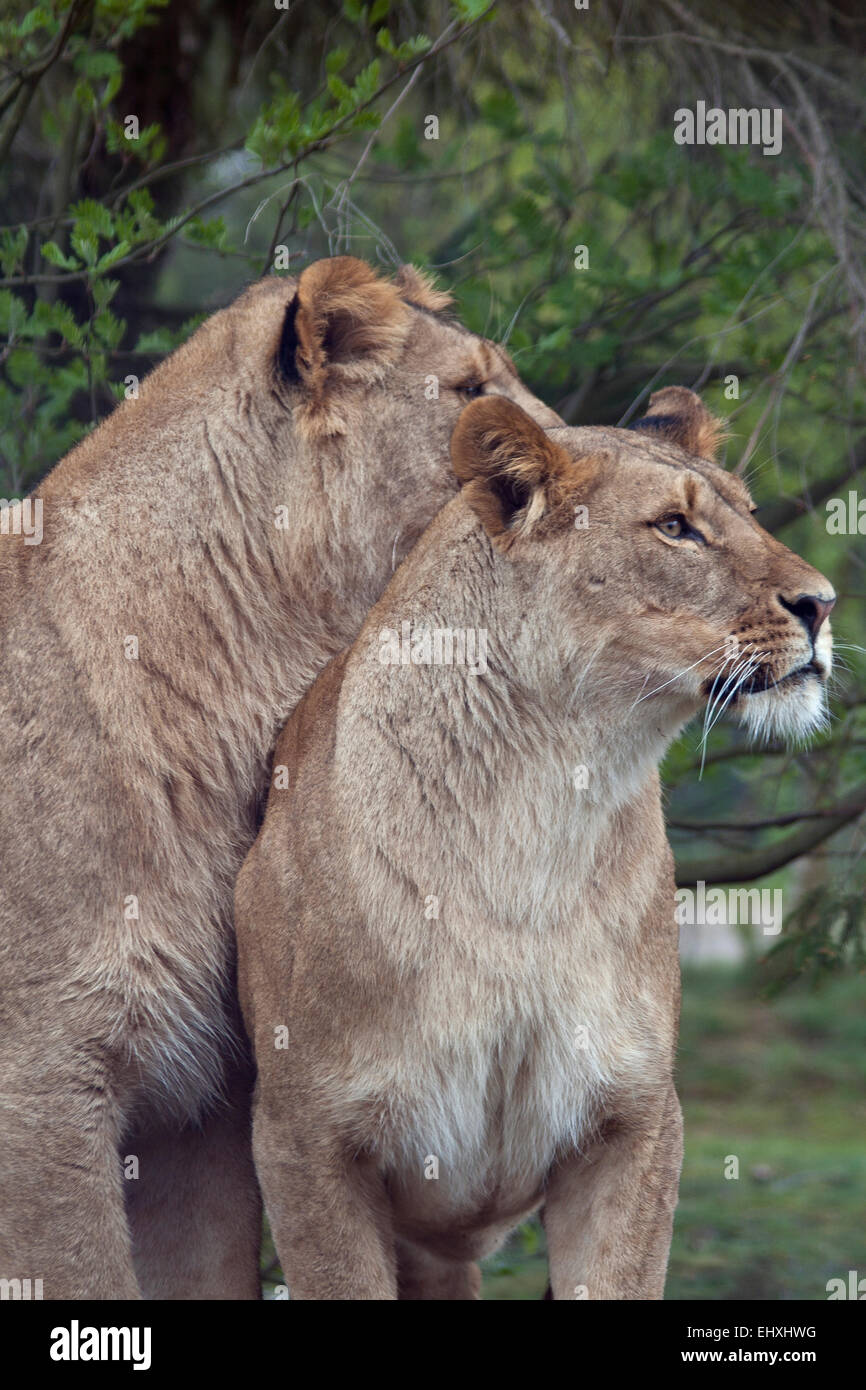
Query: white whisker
x,y
719,701
679,674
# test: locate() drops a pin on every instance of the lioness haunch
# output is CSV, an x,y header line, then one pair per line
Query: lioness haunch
x,y
474,952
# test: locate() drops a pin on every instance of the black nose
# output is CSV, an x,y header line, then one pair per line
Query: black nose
x,y
811,609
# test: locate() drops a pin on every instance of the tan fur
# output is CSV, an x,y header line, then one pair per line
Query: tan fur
x,y
680,415
132,787
452,947
418,288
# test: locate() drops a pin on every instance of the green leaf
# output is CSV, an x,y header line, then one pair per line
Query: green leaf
x,y
37,18
412,48
135,222
13,314
336,60
384,41
403,52
52,253
470,10
84,94
277,131
211,232
23,367
338,89
55,317
92,218
13,245
98,64
159,341
108,328
367,83
103,291
86,246
113,256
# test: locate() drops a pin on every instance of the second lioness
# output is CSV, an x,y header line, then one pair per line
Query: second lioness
x,y
458,959
205,551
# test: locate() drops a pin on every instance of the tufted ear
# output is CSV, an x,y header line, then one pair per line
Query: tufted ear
x,y
419,288
679,415
344,322
513,472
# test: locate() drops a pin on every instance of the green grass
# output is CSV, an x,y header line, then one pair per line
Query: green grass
x,y
780,1086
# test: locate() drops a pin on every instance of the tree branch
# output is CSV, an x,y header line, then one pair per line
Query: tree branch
x,y
21,91
150,249
778,514
699,827
756,863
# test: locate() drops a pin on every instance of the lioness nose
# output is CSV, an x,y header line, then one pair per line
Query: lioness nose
x,y
811,609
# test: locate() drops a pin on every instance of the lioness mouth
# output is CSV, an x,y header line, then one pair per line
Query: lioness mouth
x,y
758,683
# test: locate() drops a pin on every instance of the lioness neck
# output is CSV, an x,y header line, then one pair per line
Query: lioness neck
x,y
200,550
545,753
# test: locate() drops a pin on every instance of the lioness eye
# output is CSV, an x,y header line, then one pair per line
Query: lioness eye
x,y
676,528
472,389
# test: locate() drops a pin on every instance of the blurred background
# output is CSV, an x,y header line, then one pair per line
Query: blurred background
x,y
155,157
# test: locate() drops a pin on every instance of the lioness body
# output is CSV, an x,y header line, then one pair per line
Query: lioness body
x,y
205,552
460,909
493,1037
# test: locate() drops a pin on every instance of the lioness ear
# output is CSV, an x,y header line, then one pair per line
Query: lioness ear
x,y
512,470
681,416
419,288
343,323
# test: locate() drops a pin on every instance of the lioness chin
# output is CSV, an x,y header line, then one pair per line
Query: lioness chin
x,y
468,950
205,552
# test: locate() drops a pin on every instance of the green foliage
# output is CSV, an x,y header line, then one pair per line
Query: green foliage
x,y
824,935
470,10
64,349
402,52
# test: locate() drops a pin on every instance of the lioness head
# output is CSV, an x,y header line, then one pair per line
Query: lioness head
x,y
651,565
357,381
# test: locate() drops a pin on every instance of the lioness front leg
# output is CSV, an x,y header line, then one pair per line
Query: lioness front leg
x,y
609,1214
62,1217
195,1212
423,1275
329,1213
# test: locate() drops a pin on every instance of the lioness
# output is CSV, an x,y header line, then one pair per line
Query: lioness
x,y
457,951
205,552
